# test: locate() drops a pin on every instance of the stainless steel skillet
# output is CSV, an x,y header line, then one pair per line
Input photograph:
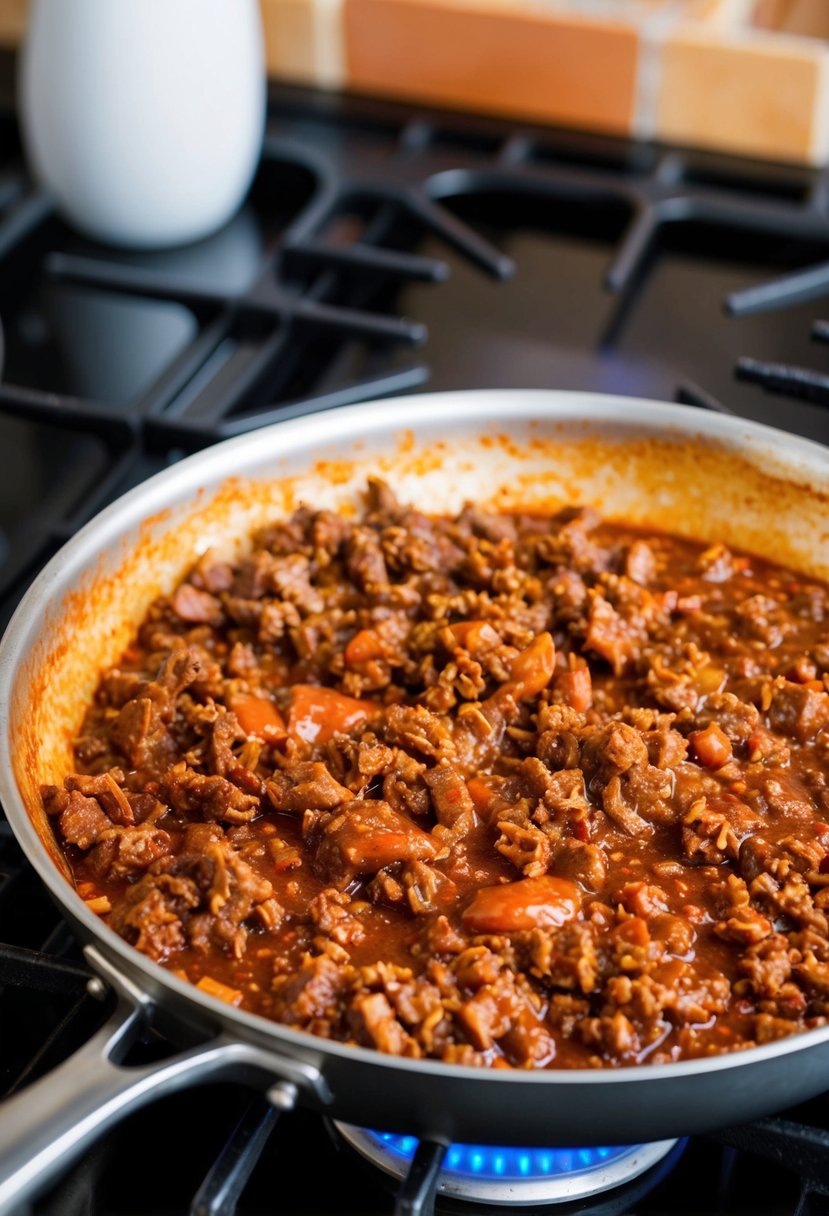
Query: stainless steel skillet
x,y
708,476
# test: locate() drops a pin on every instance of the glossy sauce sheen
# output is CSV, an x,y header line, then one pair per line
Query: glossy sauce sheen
x,y
511,791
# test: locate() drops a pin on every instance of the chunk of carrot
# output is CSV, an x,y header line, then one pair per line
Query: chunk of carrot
x,y
318,713
482,795
257,716
533,668
575,688
100,904
711,747
362,648
231,996
530,903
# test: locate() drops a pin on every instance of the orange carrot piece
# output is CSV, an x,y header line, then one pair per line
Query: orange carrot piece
x,y
482,795
231,996
575,688
533,668
100,904
362,648
712,746
318,713
257,716
530,903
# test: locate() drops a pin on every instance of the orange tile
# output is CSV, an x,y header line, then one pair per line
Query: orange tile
x,y
303,40
809,17
288,26
734,13
757,95
529,64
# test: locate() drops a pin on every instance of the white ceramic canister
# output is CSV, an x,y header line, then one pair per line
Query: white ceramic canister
x,y
144,118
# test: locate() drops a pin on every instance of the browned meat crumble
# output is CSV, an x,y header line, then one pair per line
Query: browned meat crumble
x,y
502,790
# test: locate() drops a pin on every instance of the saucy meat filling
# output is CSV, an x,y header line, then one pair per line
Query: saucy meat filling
x,y
504,790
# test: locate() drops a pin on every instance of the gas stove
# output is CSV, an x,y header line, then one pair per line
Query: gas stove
x,y
384,250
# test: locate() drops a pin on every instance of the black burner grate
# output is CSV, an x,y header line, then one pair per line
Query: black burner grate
x,y
802,383
322,276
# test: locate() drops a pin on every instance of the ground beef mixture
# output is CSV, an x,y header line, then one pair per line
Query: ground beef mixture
x,y
503,790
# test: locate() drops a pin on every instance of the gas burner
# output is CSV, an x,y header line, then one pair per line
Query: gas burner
x,y
519,1177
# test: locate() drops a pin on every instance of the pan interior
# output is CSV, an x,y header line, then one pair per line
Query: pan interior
x,y
499,1175
639,461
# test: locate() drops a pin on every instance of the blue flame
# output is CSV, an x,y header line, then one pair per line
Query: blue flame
x,y
507,1164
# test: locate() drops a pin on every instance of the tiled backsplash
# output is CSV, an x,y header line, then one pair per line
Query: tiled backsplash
x,y
745,76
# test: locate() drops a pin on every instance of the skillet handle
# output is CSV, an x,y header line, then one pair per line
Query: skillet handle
x,y
51,1121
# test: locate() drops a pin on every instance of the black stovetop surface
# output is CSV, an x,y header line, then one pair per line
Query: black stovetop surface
x,y
382,250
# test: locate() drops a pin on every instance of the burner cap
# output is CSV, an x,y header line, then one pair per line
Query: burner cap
x,y
517,1176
